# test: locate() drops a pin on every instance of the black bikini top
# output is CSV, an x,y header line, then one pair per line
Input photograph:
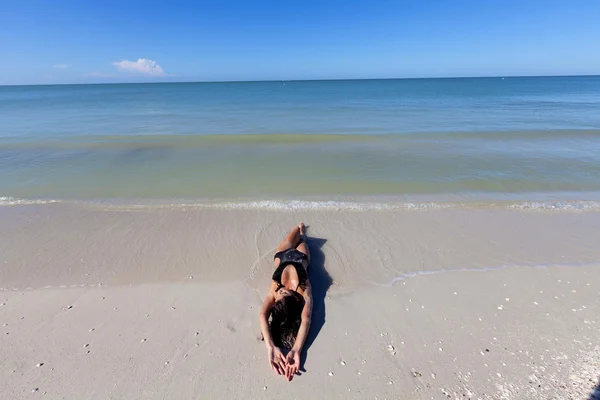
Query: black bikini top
x,y
291,257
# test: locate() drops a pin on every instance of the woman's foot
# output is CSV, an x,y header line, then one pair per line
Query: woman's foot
x,y
302,229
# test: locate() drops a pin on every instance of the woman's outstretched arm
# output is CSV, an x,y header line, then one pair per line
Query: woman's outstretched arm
x,y
276,358
293,357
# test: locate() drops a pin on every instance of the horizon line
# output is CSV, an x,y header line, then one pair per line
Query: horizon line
x,y
305,80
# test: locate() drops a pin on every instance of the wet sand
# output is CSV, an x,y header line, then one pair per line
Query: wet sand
x,y
119,302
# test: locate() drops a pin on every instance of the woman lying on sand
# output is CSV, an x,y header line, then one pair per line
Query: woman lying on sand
x,y
288,303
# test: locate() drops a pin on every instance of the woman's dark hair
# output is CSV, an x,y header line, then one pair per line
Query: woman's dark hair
x,y
286,316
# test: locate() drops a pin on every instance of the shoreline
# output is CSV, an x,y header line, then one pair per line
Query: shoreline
x,y
569,201
64,244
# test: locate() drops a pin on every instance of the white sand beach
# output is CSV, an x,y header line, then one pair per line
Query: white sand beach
x,y
108,302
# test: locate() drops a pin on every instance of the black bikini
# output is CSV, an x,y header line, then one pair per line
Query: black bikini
x,y
291,257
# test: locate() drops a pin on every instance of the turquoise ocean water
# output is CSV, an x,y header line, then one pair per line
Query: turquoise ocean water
x,y
488,138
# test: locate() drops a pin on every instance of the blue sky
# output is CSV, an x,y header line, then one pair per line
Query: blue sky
x,y
56,41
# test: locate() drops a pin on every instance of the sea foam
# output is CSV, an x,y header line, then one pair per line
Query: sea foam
x,y
13,201
327,205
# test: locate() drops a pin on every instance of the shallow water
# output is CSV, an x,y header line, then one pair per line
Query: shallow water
x,y
289,140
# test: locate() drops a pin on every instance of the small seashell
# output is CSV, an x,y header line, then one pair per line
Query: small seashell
x,y
330,374
39,364
343,362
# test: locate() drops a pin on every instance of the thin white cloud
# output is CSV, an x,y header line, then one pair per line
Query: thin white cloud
x,y
142,66
60,66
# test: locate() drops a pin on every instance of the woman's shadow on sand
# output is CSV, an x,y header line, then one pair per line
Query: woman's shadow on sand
x,y
320,281
595,395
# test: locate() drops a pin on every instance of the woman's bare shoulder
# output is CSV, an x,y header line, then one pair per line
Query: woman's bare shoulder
x,y
272,289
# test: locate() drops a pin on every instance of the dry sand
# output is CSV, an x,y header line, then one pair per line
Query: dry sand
x,y
106,302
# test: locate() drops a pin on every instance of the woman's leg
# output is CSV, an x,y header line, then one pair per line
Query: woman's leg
x,y
290,242
303,247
